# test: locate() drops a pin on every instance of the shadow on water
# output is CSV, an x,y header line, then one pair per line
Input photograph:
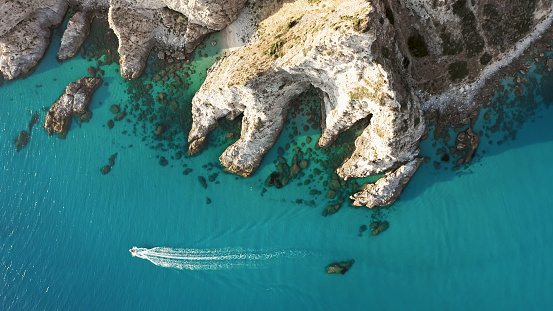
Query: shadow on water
x,y
513,119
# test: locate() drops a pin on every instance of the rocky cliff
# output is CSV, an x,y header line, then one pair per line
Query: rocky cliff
x,y
396,64
173,27
393,62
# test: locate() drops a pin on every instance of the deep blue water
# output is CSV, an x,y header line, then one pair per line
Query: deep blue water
x,y
479,238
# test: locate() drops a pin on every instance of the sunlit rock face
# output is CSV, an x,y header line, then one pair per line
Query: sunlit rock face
x,y
332,49
395,63
173,27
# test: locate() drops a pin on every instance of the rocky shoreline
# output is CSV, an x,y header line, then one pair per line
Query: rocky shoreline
x,y
174,28
392,65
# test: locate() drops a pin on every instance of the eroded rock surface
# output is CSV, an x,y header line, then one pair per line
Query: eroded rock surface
x,y
173,27
25,33
386,190
75,100
355,81
394,63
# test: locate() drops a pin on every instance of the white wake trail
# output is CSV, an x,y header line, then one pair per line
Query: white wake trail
x,y
214,259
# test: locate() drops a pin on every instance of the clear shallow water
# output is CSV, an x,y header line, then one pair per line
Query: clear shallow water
x,y
478,238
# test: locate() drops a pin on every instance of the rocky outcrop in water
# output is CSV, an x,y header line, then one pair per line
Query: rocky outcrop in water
x,y
394,63
75,100
339,267
466,143
173,27
386,190
78,26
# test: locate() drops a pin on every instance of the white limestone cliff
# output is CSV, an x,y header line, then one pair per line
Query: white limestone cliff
x,y
334,54
173,26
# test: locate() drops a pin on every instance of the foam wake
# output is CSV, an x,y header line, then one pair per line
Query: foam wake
x,y
214,259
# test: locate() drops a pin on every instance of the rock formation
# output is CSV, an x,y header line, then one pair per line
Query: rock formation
x,y
22,140
393,63
466,143
396,63
75,100
174,27
386,190
339,267
25,33
329,47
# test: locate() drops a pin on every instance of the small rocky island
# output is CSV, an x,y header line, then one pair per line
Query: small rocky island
x,y
339,267
396,65
74,101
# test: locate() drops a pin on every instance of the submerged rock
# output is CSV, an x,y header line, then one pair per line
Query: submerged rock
x,y
202,181
340,267
106,169
120,116
22,140
112,159
75,100
163,161
362,229
115,109
382,226
85,117
34,120
331,209
466,143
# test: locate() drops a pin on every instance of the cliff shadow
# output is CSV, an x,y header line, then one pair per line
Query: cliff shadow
x,y
516,117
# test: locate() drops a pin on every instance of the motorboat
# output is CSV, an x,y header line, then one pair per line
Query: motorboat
x,y
137,251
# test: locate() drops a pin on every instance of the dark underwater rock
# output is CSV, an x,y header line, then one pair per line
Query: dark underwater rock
x,y
362,229
34,120
331,209
382,226
112,159
106,169
202,181
115,109
120,116
85,117
22,140
163,161
274,180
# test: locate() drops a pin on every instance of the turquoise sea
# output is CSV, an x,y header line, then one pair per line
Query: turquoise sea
x,y
474,239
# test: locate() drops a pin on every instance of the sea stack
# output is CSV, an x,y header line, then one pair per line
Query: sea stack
x,y
74,101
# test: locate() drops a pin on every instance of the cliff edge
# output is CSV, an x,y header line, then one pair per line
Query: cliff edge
x,y
396,63
173,27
